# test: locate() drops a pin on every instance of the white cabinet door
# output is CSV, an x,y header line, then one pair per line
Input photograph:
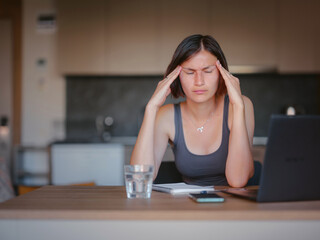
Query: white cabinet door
x,y
81,163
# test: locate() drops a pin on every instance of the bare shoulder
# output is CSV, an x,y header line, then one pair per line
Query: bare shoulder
x,y
165,119
249,109
247,104
247,101
165,112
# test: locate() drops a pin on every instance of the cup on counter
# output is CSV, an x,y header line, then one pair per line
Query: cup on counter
x,y
138,180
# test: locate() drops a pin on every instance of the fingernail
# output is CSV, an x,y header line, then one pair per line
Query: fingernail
x,y
218,62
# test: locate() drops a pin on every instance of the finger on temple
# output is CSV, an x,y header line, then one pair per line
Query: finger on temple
x,y
225,74
175,71
174,74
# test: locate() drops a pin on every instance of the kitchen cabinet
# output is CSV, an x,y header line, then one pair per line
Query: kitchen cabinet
x,y
299,36
101,163
124,37
139,37
80,163
246,31
80,38
131,37
107,37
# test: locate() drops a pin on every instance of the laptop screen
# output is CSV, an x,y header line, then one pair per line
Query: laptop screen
x,y
292,159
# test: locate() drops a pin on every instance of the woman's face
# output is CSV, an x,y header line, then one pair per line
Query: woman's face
x,y
199,76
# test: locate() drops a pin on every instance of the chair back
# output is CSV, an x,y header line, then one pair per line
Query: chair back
x,y
255,180
168,173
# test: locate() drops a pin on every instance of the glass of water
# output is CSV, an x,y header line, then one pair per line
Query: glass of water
x,y
138,179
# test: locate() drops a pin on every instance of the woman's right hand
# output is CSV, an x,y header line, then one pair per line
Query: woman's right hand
x,y
163,89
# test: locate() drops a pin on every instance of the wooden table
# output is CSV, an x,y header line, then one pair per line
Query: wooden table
x,y
84,212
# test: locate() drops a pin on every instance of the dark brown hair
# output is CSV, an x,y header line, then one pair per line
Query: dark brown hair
x,y
189,47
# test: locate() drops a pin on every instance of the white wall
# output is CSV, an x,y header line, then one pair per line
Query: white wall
x,y
43,90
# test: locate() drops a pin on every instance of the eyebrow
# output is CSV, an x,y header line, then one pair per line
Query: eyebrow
x,y
205,68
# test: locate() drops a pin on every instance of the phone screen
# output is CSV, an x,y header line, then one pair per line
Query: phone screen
x,y
206,197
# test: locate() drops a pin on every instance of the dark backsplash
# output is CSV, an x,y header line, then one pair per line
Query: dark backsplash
x,y
122,98
125,97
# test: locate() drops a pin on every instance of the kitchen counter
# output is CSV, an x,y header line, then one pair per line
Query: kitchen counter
x,y
131,140
126,140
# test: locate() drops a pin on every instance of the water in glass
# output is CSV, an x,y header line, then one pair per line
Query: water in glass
x,y
138,180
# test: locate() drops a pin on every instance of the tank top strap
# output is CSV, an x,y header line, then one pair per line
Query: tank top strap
x,y
177,122
226,114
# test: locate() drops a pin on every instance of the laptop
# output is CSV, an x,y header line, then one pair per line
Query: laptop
x,y
291,168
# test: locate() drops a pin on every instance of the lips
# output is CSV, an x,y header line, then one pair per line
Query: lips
x,y
200,91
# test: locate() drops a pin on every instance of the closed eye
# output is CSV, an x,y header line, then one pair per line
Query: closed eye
x,y
189,72
209,69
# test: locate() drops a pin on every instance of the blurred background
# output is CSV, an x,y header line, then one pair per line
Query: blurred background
x,y
75,75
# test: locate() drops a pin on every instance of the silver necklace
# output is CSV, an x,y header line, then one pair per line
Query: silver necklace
x,y
201,129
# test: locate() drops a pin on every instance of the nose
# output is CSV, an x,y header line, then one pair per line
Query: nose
x,y
199,79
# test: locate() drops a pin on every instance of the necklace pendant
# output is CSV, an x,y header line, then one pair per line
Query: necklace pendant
x,y
200,129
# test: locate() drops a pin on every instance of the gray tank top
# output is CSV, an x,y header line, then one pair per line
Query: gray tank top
x,y
201,169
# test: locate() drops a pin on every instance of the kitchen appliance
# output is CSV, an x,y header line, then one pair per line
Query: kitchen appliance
x,y
104,125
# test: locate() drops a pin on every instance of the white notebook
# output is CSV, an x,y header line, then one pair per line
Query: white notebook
x,y
181,188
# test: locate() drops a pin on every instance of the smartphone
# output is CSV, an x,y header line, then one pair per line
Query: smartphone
x,y
206,197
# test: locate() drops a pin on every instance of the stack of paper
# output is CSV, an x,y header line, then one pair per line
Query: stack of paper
x,y
181,188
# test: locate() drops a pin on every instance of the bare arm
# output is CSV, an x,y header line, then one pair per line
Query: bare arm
x,y
145,150
239,166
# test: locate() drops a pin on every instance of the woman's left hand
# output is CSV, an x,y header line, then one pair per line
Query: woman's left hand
x,y
233,86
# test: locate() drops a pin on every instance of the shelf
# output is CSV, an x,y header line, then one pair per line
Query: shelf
x,y
31,166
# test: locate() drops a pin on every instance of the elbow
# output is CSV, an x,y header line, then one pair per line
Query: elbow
x,y
237,182
236,185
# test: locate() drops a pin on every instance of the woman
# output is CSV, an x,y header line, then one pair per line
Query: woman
x,y
211,131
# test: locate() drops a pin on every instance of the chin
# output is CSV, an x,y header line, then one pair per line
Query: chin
x,y
200,99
